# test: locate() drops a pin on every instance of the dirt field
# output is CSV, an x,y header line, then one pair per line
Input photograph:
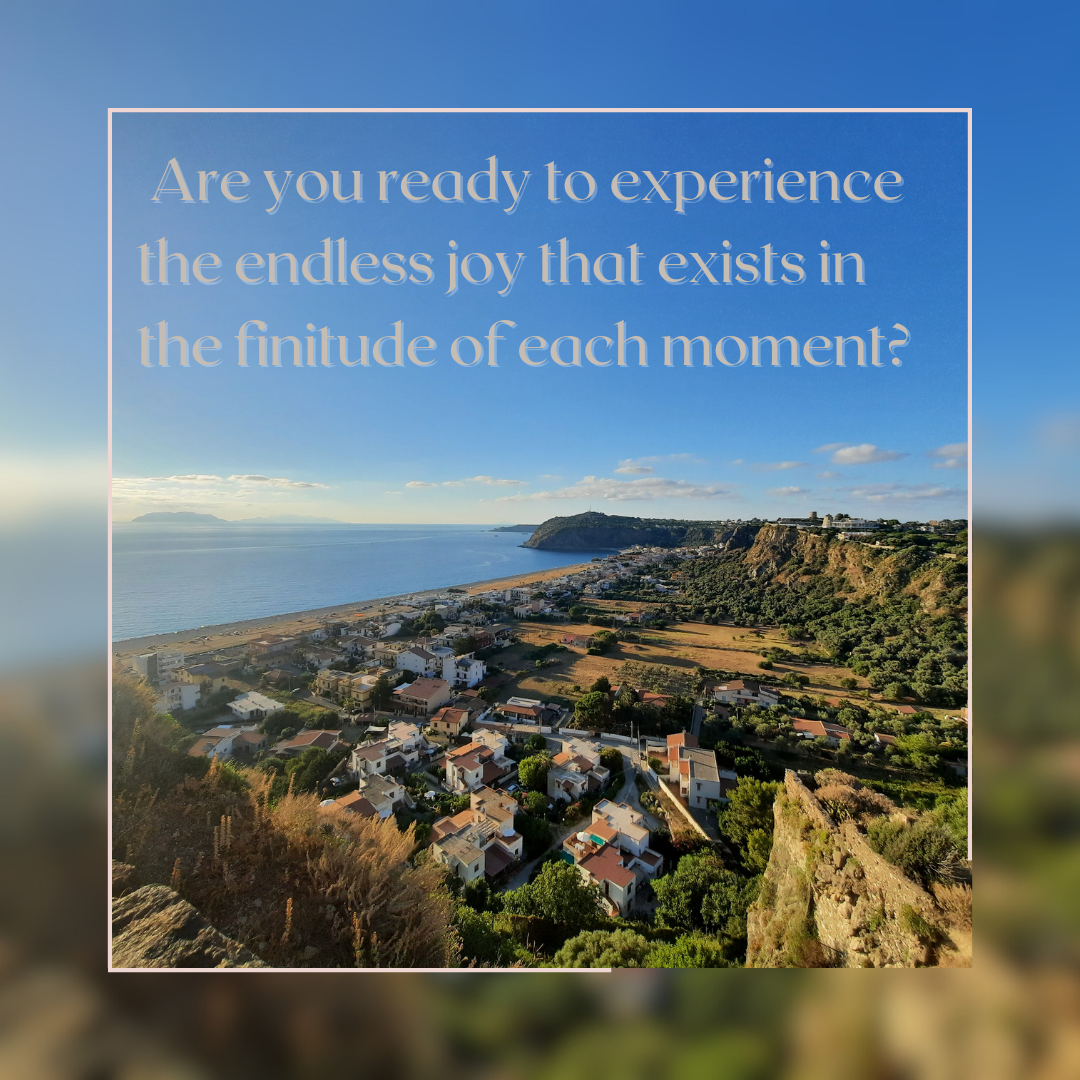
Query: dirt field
x,y
686,645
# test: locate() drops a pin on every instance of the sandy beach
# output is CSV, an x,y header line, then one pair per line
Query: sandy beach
x,y
226,635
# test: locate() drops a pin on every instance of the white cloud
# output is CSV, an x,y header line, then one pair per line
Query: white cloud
x,y
274,481
420,484
641,466
393,493
878,493
653,487
827,475
491,480
737,461
453,483
953,456
550,476
191,478
782,491
858,454
778,466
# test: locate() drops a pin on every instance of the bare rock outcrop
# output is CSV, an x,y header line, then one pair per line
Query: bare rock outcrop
x,y
829,900
153,927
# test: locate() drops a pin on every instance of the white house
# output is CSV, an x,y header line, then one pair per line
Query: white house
x,y
419,661
745,692
176,696
481,840
463,672
254,706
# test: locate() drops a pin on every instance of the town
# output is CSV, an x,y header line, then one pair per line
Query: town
x,y
612,741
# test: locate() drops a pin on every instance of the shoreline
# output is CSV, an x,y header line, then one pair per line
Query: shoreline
x,y
205,638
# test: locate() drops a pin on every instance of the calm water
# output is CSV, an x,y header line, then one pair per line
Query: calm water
x,y
173,577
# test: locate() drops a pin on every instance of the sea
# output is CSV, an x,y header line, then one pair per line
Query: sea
x,y
180,577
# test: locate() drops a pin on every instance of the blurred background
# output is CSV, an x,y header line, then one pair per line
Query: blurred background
x,y
1015,1015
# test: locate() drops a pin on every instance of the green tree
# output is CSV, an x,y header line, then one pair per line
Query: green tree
x,y
536,802
951,812
560,895
536,744
463,644
602,684
591,710
536,833
749,810
381,693
612,760
919,750
702,895
486,938
604,949
431,622
688,951
757,851
532,772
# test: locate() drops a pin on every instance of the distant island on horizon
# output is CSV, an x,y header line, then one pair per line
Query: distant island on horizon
x,y
190,517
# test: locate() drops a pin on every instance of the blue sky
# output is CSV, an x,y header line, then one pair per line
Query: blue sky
x,y
65,64
449,443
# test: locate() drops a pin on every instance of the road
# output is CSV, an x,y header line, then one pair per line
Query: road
x,y
699,716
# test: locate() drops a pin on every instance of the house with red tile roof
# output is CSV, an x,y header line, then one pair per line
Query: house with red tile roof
x,y
472,766
481,840
617,882
377,796
422,697
575,771
813,729
702,783
321,739
450,722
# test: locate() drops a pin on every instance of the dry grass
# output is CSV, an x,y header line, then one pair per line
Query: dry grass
x,y
686,645
299,885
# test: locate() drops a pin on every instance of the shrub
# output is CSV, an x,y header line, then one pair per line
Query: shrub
x,y
924,851
604,949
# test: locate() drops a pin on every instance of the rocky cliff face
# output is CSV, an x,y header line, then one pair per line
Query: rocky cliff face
x,y
828,900
600,532
783,554
155,928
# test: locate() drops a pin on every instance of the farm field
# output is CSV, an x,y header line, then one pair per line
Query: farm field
x,y
685,645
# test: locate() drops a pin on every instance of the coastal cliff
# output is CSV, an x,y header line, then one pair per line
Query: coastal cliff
x,y
829,900
594,531
780,556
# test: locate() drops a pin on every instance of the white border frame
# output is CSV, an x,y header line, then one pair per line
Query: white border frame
x,y
109,498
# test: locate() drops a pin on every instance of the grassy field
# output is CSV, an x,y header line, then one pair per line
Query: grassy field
x,y
687,645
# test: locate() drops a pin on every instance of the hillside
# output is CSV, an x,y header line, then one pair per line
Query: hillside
x,y
828,899
594,531
780,555
896,616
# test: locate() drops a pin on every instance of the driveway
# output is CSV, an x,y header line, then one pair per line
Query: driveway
x,y
629,793
699,716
